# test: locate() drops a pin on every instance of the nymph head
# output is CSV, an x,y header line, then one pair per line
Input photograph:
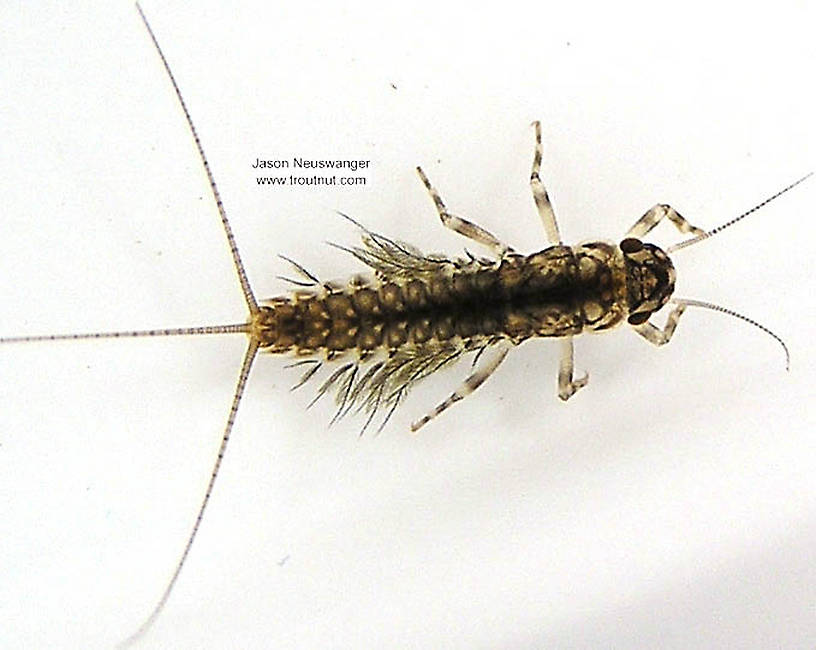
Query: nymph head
x,y
650,278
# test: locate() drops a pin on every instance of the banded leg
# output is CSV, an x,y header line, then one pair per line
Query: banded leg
x,y
542,199
476,379
655,215
657,336
567,385
463,226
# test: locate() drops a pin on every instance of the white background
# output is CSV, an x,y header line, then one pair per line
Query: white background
x,y
670,504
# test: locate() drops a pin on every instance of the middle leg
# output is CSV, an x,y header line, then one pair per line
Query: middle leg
x,y
567,384
542,199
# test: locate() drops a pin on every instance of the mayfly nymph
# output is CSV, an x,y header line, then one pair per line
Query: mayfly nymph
x,y
423,312
420,313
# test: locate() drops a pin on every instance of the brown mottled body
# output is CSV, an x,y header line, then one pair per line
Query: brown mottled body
x,y
559,291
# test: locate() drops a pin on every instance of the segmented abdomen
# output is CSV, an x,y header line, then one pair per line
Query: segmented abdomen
x,y
559,291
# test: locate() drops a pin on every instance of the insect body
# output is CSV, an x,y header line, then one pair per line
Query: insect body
x,y
423,312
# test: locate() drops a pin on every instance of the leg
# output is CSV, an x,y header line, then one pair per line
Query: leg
x,y
655,215
567,386
657,336
542,200
463,226
476,379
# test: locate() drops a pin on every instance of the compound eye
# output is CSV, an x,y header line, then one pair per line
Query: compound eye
x,y
631,245
638,319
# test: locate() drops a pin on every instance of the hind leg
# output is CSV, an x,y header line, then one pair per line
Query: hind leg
x,y
476,379
463,226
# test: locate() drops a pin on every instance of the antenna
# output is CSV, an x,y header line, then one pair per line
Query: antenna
x,y
707,305
714,231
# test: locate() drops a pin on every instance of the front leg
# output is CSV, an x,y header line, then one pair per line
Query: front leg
x,y
657,336
655,215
